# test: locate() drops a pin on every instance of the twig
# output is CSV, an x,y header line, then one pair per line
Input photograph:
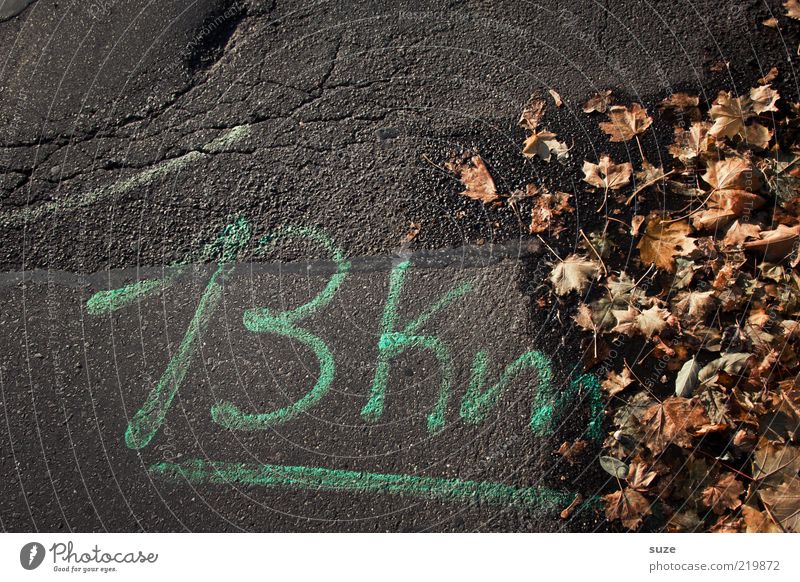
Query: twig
x,y
648,184
549,248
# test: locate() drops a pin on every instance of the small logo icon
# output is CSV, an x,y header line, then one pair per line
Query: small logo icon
x,y
31,555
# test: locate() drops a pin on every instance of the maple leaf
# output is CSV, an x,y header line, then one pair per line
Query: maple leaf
x,y
607,174
792,9
740,232
724,206
616,383
626,320
693,306
583,317
775,464
757,135
533,112
652,320
783,503
764,98
475,178
680,101
771,74
690,143
639,478
573,274
546,207
599,102
729,114
626,123
757,521
669,422
729,173
543,144
775,244
724,494
663,241
627,505
571,451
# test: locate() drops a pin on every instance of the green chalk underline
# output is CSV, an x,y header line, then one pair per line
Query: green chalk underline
x,y
318,478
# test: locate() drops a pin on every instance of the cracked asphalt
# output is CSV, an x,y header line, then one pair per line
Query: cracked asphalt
x,y
132,133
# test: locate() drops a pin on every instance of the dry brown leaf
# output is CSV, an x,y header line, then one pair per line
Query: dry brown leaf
x,y
740,232
757,135
628,505
475,177
607,174
729,114
725,206
556,97
670,423
544,144
792,9
690,143
616,383
783,503
652,320
639,477
534,111
680,101
663,241
571,451
729,173
567,511
626,123
764,98
573,274
724,494
694,306
599,102
546,207
413,230
772,73
775,244
758,521
583,317
774,464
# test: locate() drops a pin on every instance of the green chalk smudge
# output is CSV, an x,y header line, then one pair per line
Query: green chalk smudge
x,y
263,320
550,408
317,478
393,343
140,180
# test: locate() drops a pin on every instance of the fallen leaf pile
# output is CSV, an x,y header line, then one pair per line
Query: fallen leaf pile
x,y
696,336
687,298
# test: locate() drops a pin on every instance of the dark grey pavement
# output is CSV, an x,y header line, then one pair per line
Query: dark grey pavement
x,y
131,133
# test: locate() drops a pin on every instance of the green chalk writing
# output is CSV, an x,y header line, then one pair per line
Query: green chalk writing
x,y
263,320
149,418
478,400
550,403
550,408
317,478
393,343
114,299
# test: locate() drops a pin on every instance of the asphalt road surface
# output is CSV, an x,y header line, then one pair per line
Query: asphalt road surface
x,y
133,133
